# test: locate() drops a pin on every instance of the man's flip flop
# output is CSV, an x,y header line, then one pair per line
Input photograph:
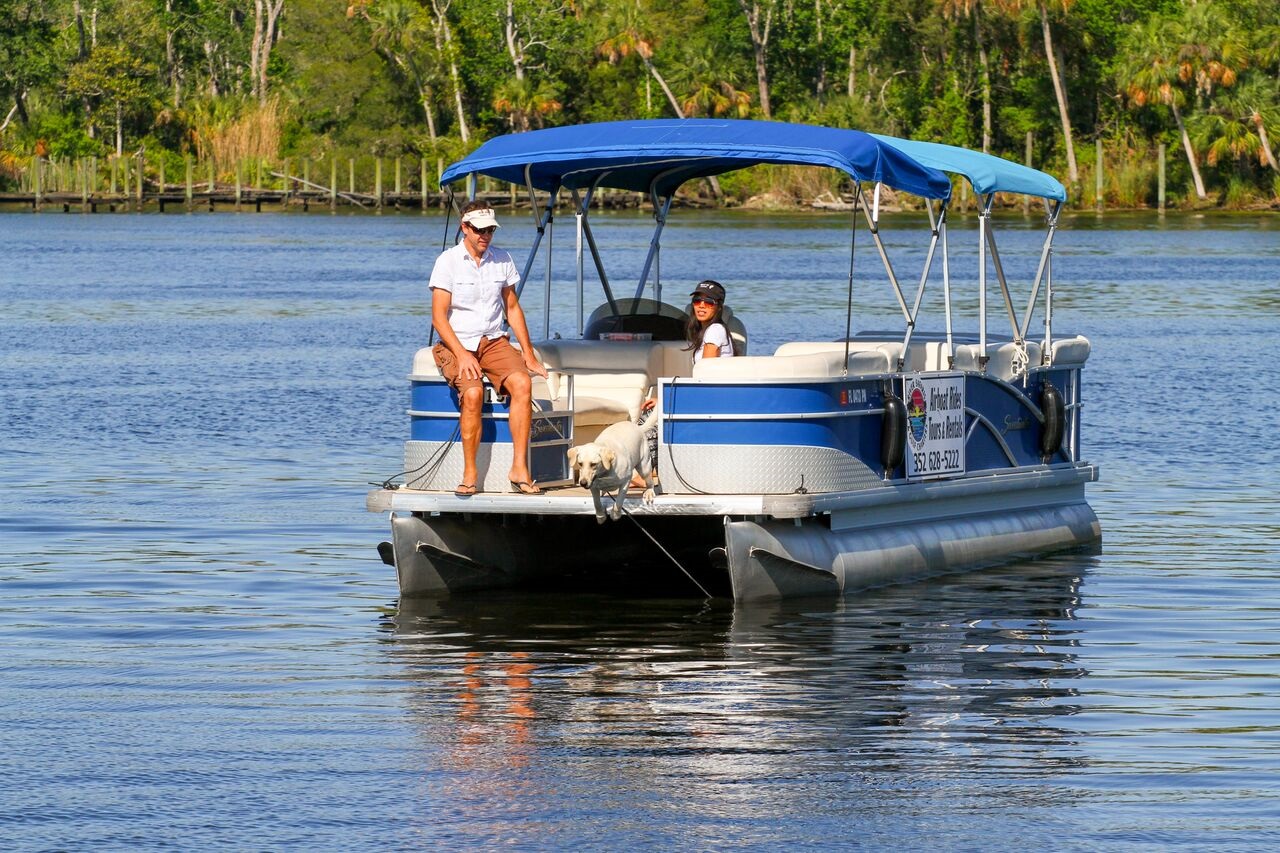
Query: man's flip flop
x,y
466,490
524,487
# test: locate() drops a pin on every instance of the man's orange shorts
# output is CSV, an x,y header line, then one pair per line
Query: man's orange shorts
x,y
498,360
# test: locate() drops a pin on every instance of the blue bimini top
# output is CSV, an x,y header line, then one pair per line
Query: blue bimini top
x,y
661,154
987,173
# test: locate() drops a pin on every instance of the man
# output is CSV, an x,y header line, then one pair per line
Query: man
x,y
472,284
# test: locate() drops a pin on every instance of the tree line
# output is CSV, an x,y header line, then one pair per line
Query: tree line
x,y
1038,80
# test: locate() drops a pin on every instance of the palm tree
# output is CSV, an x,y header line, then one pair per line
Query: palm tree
x,y
956,9
709,91
1055,73
627,35
398,28
1238,130
526,104
1152,74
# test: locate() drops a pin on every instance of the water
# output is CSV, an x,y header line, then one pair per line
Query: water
x,y
200,649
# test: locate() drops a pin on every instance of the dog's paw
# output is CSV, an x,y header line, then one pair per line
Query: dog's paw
x,y
648,495
615,512
599,518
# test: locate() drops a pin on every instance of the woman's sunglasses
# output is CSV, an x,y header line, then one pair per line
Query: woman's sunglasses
x,y
699,300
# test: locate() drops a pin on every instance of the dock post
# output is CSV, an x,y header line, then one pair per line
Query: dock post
x,y
351,175
84,186
142,172
333,183
288,180
1160,185
397,176
422,167
161,187
115,165
257,174
124,179
377,184
239,169
1097,188
190,183
211,182
36,186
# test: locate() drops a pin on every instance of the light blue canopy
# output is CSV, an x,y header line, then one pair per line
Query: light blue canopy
x,y
662,154
985,172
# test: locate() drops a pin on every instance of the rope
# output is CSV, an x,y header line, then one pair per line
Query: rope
x,y
435,460
700,587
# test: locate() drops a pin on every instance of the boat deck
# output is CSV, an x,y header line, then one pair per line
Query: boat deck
x,y
573,500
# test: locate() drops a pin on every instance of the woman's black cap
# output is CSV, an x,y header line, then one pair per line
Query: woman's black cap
x,y
709,289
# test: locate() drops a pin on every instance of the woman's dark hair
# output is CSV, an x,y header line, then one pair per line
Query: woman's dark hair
x,y
695,331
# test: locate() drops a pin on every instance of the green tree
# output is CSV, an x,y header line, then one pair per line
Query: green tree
x,y
116,83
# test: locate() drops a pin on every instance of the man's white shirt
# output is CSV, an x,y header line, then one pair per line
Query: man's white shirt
x,y
475,310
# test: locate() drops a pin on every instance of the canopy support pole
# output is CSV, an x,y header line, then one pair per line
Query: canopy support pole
x,y
542,224
984,222
946,286
1004,285
924,278
873,224
853,242
595,251
660,210
579,219
1041,270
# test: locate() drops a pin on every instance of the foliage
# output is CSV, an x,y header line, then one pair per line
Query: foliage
x,y
434,78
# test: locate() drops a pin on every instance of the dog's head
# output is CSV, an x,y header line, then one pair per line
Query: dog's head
x,y
588,461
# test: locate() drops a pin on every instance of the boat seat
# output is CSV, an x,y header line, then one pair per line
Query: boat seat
x,y
424,368
865,357
610,378
1070,352
1000,358
818,365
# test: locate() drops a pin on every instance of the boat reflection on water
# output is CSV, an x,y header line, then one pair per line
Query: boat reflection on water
x,y
957,676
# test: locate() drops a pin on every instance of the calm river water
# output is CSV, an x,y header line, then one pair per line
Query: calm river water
x,y
199,648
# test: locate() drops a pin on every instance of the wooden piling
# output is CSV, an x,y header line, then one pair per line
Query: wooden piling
x,y
36,187
1098,178
351,175
124,175
190,183
333,183
377,184
422,168
142,171
239,168
1160,184
397,176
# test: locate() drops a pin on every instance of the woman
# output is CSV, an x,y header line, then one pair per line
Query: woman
x,y
708,337
707,334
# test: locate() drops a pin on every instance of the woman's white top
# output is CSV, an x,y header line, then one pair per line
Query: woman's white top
x,y
718,335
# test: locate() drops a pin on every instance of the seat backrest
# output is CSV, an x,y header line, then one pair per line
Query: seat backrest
x,y
1071,352
1001,358
808,366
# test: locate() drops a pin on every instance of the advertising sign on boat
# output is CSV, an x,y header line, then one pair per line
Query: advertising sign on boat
x,y
935,425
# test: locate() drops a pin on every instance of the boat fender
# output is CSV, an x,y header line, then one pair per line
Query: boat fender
x,y
1054,419
893,433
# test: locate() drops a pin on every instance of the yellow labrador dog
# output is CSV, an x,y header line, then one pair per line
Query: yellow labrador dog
x,y
606,464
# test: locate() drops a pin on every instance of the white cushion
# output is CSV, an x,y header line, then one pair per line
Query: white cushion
x,y
812,366
1000,358
1072,351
